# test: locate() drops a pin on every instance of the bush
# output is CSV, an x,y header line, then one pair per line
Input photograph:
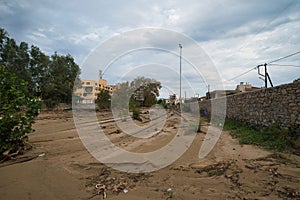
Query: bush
x,y
17,111
136,114
103,100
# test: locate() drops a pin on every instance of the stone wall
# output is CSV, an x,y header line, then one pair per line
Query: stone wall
x,y
280,104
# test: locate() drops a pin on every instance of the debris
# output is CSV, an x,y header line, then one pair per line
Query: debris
x,y
170,193
41,155
104,194
287,192
109,182
20,160
101,189
217,169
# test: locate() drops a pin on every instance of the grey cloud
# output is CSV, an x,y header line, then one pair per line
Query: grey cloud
x,y
235,34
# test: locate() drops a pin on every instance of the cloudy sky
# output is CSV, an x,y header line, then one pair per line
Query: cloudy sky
x,y
126,39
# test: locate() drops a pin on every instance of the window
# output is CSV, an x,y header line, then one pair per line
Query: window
x,y
88,89
88,83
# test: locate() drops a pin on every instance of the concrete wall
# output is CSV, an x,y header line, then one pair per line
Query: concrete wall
x,y
280,104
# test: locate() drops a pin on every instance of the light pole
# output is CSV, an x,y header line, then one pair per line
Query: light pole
x,y
180,48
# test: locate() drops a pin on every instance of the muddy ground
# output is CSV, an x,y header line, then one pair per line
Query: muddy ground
x,y
59,167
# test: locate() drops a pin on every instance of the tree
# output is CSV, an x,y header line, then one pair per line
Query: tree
x,y
17,111
59,80
3,41
149,88
103,100
39,68
141,86
16,59
50,78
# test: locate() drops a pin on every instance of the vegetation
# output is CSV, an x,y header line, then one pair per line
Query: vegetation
x,y
163,103
148,89
18,109
49,78
296,80
103,100
136,114
29,77
271,138
140,92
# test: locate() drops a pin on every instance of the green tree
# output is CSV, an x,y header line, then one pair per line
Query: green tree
x,y
149,88
3,41
103,100
16,60
15,57
60,80
50,78
39,68
17,111
125,96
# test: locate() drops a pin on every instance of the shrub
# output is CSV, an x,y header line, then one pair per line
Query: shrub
x,y
136,114
17,111
103,100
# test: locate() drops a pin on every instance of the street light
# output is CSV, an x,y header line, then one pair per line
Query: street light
x,y
180,48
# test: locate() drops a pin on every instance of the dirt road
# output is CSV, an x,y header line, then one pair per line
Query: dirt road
x,y
65,170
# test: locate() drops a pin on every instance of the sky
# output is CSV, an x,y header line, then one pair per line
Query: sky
x,y
125,39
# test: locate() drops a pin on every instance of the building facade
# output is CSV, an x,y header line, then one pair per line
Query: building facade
x,y
87,93
242,87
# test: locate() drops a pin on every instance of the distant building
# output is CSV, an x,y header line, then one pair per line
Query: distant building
x,y
102,86
246,87
89,89
87,93
242,87
202,98
219,93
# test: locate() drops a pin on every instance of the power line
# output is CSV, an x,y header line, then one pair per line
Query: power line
x,y
290,55
242,74
246,72
284,65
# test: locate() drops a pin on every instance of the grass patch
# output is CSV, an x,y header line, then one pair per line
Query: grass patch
x,y
271,138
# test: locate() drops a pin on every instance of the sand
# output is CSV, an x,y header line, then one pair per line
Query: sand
x,y
65,169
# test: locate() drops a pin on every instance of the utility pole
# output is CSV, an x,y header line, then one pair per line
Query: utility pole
x,y
266,72
266,75
180,48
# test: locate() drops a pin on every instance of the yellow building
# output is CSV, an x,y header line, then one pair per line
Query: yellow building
x,y
102,86
89,90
